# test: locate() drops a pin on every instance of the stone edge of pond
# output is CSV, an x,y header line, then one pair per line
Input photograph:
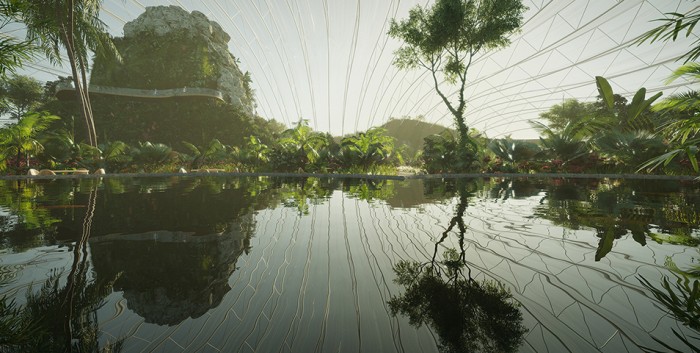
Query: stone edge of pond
x,y
360,176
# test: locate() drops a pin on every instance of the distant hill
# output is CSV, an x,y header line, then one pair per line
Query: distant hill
x,y
411,132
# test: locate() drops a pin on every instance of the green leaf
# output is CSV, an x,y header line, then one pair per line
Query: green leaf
x,y
605,245
605,91
693,159
639,104
192,148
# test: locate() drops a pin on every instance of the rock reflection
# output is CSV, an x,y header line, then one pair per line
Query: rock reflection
x,y
168,277
467,315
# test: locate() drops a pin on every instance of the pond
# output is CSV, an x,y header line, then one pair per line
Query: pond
x,y
229,264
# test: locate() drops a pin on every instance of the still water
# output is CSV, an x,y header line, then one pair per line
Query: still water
x,y
225,264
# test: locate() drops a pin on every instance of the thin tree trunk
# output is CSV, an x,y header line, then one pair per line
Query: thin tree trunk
x,y
79,93
77,273
86,94
458,114
68,32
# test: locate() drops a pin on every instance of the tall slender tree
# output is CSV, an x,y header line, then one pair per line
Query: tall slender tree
x,y
73,26
444,40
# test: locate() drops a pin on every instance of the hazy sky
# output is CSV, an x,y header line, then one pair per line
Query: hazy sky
x,y
329,61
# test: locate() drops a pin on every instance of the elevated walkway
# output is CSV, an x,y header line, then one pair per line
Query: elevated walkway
x,y
67,92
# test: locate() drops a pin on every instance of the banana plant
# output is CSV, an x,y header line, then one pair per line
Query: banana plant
x,y
255,153
439,153
639,102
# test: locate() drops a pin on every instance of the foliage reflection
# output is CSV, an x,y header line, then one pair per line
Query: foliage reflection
x,y
665,212
468,315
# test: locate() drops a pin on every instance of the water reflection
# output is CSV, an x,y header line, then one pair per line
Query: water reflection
x,y
467,315
657,211
169,244
175,243
168,276
301,264
680,295
58,317
61,315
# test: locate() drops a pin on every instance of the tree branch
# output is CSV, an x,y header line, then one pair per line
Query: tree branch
x,y
433,70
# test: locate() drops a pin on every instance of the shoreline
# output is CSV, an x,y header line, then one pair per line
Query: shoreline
x,y
361,176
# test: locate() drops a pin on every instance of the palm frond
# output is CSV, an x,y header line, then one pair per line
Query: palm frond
x,y
672,26
690,69
680,102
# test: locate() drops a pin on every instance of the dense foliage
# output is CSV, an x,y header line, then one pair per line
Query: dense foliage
x,y
70,27
19,95
611,135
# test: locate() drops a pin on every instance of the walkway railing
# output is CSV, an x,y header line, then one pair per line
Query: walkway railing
x,y
67,91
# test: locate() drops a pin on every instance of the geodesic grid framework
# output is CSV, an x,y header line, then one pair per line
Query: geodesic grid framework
x,y
331,61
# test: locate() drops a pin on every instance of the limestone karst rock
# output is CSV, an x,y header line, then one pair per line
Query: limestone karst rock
x,y
167,47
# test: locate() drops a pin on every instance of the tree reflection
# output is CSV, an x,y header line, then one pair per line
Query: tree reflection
x,y
369,190
23,225
468,315
60,317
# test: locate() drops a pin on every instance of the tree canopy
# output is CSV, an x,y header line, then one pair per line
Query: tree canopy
x,y
569,111
19,95
444,40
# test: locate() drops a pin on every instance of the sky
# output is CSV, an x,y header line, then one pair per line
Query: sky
x,y
330,61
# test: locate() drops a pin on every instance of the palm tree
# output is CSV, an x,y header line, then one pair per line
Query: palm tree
x,y
75,26
21,138
114,155
302,144
368,149
686,104
151,155
683,126
630,148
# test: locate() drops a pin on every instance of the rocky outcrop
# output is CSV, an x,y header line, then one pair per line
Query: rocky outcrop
x,y
166,45
163,20
168,56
